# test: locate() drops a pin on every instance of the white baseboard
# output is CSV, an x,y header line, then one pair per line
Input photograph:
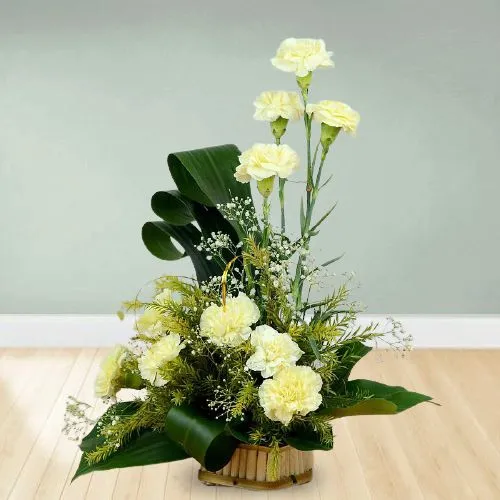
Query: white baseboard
x,y
60,330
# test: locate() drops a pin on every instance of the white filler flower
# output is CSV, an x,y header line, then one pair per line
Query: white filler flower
x,y
158,356
302,55
273,351
229,325
262,161
292,391
271,105
107,383
336,114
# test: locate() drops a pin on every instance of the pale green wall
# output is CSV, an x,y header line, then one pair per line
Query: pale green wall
x,y
94,95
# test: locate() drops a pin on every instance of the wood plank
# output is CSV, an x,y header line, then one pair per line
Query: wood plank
x,y
127,484
152,482
60,467
79,489
429,452
29,415
39,457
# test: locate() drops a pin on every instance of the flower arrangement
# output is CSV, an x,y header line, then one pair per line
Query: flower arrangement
x,y
240,356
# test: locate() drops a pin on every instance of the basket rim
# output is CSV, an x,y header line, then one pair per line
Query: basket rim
x,y
256,447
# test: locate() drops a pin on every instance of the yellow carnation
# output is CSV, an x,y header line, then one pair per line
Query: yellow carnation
x,y
336,114
273,351
262,161
302,55
229,325
292,391
108,381
158,356
150,322
271,105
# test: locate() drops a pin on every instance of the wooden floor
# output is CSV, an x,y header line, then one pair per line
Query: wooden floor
x,y
450,452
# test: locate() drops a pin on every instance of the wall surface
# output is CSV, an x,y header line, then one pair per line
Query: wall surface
x,y
93,95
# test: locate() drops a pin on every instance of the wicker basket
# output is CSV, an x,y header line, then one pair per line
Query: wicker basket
x,y
248,469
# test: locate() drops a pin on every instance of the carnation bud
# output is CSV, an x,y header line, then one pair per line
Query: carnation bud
x,y
304,81
278,127
328,135
265,186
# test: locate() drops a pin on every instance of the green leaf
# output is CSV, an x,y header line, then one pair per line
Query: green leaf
x,y
398,395
377,399
323,218
331,261
172,207
144,448
147,448
238,432
204,177
307,440
207,175
122,409
373,406
157,237
348,355
314,346
207,440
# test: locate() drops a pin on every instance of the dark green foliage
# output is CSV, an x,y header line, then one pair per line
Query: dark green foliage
x,y
205,178
205,439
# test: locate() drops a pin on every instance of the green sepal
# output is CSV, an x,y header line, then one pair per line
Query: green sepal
x,y
206,440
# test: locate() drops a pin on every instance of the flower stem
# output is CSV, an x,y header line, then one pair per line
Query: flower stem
x,y
281,195
266,208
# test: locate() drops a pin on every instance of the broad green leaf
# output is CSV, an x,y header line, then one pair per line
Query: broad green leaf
x,y
307,440
157,237
207,175
205,439
239,432
398,395
144,448
158,240
373,406
172,207
204,178
348,355
123,409
147,448
210,220
376,399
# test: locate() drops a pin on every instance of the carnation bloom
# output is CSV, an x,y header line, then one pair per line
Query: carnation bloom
x,y
262,161
107,383
271,105
293,390
302,55
273,351
156,358
336,114
229,324
164,297
150,322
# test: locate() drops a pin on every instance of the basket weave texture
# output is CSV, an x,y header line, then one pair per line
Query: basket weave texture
x,y
248,468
